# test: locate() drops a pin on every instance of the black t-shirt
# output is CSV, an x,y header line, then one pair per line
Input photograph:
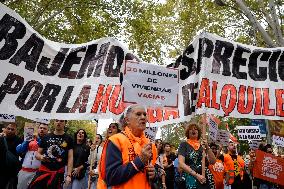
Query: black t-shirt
x,y
170,171
12,143
81,153
237,181
55,148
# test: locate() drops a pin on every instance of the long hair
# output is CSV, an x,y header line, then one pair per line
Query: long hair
x,y
101,138
85,136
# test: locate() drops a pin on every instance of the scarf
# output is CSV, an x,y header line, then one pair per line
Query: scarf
x,y
194,143
137,142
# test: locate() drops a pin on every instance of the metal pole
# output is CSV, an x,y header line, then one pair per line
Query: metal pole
x,y
268,136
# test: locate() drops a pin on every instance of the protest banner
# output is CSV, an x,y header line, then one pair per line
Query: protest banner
x,y
44,79
7,118
157,86
151,132
249,133
30,130
269,167
212,122
223,137
278,140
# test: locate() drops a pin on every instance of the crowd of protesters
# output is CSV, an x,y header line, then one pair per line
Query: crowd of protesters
x,y
123,159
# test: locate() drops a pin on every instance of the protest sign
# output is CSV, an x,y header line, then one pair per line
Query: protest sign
x,y
30,130
151,132
223,137
44,79
151,85
269,167
7,118
213,127
249,133
278,140
254,144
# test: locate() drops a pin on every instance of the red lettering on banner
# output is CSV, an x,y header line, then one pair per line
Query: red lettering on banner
x,y
155,115
101,98
204,93
161,114
113,101
258,101
242,100
171,112
214,104
229,88
279,102
266,103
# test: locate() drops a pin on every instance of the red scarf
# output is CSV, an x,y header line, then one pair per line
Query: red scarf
x,y
194,143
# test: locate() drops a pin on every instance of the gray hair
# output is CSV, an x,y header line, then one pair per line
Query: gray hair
x,y
130,109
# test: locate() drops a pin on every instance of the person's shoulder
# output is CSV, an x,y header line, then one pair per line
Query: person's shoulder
x,y
183,144
68,136
118,136
118,139
18,140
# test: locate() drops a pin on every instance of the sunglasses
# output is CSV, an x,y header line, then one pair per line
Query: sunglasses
x,y
10,129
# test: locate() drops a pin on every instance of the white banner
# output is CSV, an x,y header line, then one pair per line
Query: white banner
x,y
7,118
249,133
223,137
151,85
44,79
278,140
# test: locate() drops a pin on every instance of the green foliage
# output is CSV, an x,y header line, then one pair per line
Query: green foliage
x,y
175,133
155,30
71,127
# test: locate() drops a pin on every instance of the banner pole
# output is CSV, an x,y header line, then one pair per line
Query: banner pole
x,y
93,156
203,152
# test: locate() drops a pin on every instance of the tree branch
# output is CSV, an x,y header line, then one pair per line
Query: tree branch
x,y
267,16
39,25
40,13
268,40
275,18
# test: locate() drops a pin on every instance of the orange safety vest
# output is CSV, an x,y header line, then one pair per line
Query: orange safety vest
x,y
101,184
230,168
126,148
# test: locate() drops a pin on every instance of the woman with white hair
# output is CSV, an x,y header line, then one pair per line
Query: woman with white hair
x,y
131,156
